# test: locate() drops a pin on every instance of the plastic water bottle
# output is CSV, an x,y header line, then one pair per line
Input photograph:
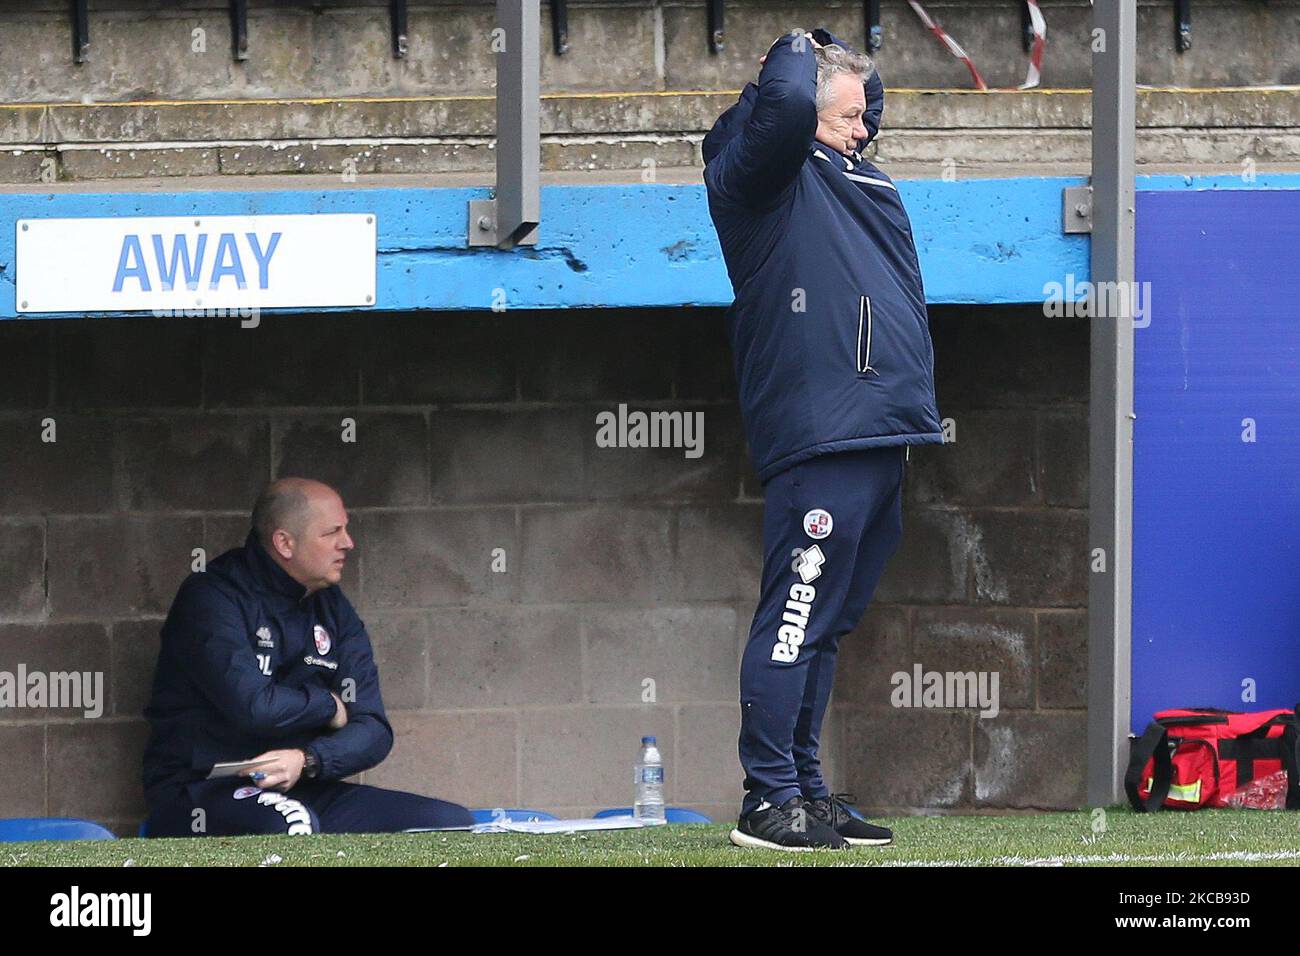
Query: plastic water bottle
x,y
649,804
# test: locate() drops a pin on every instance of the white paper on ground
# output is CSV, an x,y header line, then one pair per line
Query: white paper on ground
x,y
558,826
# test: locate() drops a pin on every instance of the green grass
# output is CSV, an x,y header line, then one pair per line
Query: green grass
x,y
1047,839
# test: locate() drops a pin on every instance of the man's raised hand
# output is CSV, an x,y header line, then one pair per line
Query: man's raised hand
x,y
806,35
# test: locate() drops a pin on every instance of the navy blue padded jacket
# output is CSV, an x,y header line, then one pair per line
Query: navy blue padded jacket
x,y
829,332
247,664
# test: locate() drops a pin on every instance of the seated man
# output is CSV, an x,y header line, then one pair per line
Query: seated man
x,y
263,658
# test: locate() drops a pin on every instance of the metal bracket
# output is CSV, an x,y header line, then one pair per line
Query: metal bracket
x,y
397,17
484,227
239,28
560,26
511,217
875,33
717,35
1183,25
1076,209
80,31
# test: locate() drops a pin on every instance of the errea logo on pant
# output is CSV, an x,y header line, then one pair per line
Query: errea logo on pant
x,y
791,634
808,563
294,813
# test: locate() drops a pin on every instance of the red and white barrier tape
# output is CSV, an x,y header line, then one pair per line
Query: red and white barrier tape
x,y
953,46
1038,24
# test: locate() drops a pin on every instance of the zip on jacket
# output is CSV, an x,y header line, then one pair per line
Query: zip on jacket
x,y
864,322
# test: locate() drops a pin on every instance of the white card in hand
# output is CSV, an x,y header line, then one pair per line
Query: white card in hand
x,y
237,768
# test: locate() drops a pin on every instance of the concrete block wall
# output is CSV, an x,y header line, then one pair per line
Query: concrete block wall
x,y
477,432
161,96
991,577
149,49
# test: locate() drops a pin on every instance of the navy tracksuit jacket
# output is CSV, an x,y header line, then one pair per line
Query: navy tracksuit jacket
x,y
247,664
832,352
829,332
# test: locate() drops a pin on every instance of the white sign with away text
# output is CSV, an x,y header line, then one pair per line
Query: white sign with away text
x,y
169,263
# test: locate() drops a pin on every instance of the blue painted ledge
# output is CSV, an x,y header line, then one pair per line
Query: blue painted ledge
x,y
981,241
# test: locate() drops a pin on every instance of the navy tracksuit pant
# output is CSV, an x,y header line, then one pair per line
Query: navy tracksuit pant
x,y
829,526
232,807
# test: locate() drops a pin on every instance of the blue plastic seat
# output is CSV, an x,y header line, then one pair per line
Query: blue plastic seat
x,y
24,829
671,814
512,813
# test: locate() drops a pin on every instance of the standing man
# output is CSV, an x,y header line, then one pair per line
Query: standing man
x,y
263,659
833,358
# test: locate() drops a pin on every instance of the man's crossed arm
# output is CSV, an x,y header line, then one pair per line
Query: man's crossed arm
x,y
356,734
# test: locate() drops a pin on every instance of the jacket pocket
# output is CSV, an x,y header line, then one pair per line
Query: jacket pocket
x,y
862,358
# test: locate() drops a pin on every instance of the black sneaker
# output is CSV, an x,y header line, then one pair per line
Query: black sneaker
x,y
790,826
834,812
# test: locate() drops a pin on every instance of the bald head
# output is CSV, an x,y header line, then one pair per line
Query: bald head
x,y
286,504
303,526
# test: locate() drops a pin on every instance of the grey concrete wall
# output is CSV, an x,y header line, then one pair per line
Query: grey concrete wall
x,y
147,49
321,92
477,432
924,135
